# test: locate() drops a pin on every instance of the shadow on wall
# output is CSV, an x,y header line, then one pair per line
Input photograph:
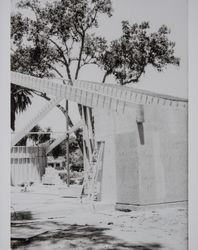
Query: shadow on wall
x,y
141,132
84,237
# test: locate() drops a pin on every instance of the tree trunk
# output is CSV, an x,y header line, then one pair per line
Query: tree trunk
x,y
105,76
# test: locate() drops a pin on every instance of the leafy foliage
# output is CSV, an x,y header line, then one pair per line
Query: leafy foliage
x,y
59,36
75,154
59,150
57,41
22,142
127,57
40,138
20,100
56,36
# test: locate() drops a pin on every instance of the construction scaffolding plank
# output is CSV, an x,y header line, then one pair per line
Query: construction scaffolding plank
x,y
63,137
35,120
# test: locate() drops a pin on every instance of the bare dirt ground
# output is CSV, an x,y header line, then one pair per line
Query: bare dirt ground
x,y
56,220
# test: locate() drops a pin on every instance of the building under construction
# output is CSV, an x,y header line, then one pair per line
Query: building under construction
x,y
136,154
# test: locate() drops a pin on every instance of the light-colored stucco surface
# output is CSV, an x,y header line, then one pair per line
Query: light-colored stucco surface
x,y
144,163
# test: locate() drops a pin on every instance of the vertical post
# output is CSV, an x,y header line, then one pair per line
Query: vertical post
x,y
84,146
67,143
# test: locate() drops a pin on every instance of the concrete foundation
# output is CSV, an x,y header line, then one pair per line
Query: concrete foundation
x,y
145,159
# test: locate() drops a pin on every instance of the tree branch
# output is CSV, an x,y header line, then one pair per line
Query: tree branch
x,y
80,33
80,55
62,55
93,19
105,76
56,70
58,59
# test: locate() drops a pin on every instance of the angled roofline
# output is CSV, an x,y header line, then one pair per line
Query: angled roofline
x,y
139,91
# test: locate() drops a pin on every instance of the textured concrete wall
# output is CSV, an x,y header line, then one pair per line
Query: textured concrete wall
x,y
144,163
27,164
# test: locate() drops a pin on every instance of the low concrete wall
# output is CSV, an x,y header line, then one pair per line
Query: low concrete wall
x,y
27,164
144,163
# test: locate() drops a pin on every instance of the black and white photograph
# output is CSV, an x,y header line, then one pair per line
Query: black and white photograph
x,y
98,125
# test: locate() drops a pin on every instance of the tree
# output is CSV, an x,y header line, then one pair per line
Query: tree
x,y
20,100
127,57
57,41
55,37
75,154
43,45
40,138
59,150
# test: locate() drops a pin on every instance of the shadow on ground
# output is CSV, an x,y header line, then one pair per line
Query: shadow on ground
x,y
22,215
84,237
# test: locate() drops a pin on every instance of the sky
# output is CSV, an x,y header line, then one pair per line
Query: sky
x,y
172,81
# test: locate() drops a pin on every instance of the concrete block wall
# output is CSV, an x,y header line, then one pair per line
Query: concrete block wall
x,y
144,163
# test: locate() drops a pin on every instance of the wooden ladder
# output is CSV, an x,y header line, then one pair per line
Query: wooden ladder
x,y
92,180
